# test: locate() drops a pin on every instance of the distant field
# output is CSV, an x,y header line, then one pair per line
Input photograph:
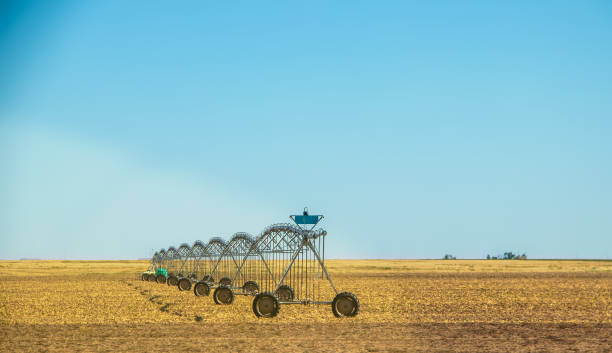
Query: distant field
x,y
418,304
29,268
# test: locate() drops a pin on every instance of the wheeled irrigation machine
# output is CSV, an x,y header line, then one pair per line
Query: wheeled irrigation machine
x,y
284,265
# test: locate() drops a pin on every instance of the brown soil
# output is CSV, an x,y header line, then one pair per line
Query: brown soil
x,y
330,337
486,307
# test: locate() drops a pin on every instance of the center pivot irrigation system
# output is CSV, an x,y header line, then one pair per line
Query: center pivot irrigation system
x,y
285,264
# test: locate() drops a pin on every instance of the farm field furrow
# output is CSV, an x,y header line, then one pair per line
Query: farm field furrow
x,y
326,337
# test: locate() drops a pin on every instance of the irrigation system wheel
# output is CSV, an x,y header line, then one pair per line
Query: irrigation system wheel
x,y
172,280
208,278
284,293
184,284
223,295
266,305
201,289
225,281
250,287
345,304
161,279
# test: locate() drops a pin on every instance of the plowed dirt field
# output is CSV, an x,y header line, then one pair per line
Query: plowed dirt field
x,y
406,305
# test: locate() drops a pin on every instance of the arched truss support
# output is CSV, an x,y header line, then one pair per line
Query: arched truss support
x,y
199,254
229,261
172,260
291,257
212,251
155,260
277,238
308,247
161,259
184,252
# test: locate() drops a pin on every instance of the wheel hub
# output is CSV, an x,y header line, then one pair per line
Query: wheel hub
x,y
284,295
202,290
345,306
224,296
266,306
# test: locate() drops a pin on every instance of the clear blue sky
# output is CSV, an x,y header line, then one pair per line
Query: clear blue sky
x,y
418,128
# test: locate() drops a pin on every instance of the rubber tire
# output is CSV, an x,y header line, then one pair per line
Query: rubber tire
x,y
225,281
252,283
185,287
345,295
144,277
201,284
161,279
151,277
218,290
275,310
284,286
172,281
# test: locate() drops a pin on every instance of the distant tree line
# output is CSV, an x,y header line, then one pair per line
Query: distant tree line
x,y
508,256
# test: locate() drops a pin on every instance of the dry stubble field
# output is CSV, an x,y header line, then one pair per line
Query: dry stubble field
x,y
406,305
